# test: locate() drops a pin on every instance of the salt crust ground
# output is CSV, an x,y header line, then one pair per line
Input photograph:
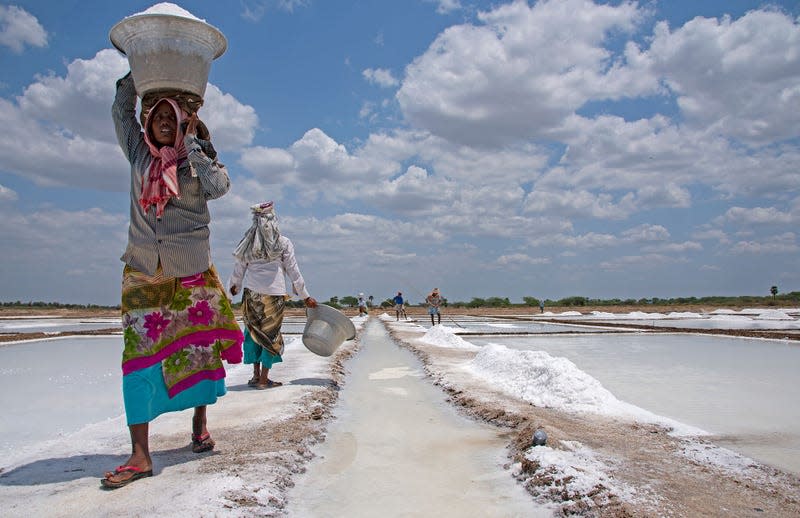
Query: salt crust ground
x,y
264,438
600,466
592,466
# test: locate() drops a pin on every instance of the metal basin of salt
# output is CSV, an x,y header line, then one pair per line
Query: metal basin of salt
x,y
167,51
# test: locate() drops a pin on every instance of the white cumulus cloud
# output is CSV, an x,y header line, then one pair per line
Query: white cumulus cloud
x,y
19,28
521,73
380,77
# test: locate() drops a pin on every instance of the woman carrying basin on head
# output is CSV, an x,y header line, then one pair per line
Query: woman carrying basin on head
x,y
263,259
177,320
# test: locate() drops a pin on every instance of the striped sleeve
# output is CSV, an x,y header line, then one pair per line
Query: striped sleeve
x,y
212,174
123,113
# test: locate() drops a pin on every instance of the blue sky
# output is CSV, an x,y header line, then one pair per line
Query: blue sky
x,y
509,149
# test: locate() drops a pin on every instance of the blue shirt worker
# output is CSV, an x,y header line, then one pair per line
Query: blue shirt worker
x,y
398,305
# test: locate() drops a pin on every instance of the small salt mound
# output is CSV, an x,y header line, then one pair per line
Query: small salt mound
x,y
773,314
570,314
544,380
444,336
576,472
603,314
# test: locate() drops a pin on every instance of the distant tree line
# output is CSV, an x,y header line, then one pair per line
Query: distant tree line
x,y
774,299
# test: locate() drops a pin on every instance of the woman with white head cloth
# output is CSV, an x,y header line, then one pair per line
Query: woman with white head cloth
x,y
362,305
263,259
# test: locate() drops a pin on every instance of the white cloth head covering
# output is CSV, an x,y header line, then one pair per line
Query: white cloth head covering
x,y
262,239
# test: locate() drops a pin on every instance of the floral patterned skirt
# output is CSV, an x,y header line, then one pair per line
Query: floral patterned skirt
x,y
177,331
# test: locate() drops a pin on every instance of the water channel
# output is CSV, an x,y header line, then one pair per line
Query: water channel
x,y
397,448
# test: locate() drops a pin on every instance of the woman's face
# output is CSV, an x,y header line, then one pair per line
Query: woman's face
x,y
164,125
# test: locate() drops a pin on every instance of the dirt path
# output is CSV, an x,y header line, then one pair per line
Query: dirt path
x,y
649,472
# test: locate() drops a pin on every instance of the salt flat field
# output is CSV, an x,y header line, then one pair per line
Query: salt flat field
x,y
743,391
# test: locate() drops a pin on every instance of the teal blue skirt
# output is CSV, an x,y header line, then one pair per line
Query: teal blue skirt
x,y
145,395
254,353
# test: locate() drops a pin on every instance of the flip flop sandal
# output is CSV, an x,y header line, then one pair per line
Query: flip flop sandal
x,y
252,382
270,384
137,473
201,443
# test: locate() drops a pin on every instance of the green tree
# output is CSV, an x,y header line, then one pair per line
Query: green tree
x,y
349,301
572,301
774,291
531,301
497,302
476,303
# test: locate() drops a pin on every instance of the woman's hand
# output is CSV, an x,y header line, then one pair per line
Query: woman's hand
x,y
310,302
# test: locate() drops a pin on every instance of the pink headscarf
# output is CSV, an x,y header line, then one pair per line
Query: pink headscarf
x,y
161,182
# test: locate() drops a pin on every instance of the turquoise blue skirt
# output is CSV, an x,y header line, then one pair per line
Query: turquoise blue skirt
x,y
145,395
254,353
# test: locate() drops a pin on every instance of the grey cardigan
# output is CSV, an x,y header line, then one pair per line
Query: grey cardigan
x,y
179,240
